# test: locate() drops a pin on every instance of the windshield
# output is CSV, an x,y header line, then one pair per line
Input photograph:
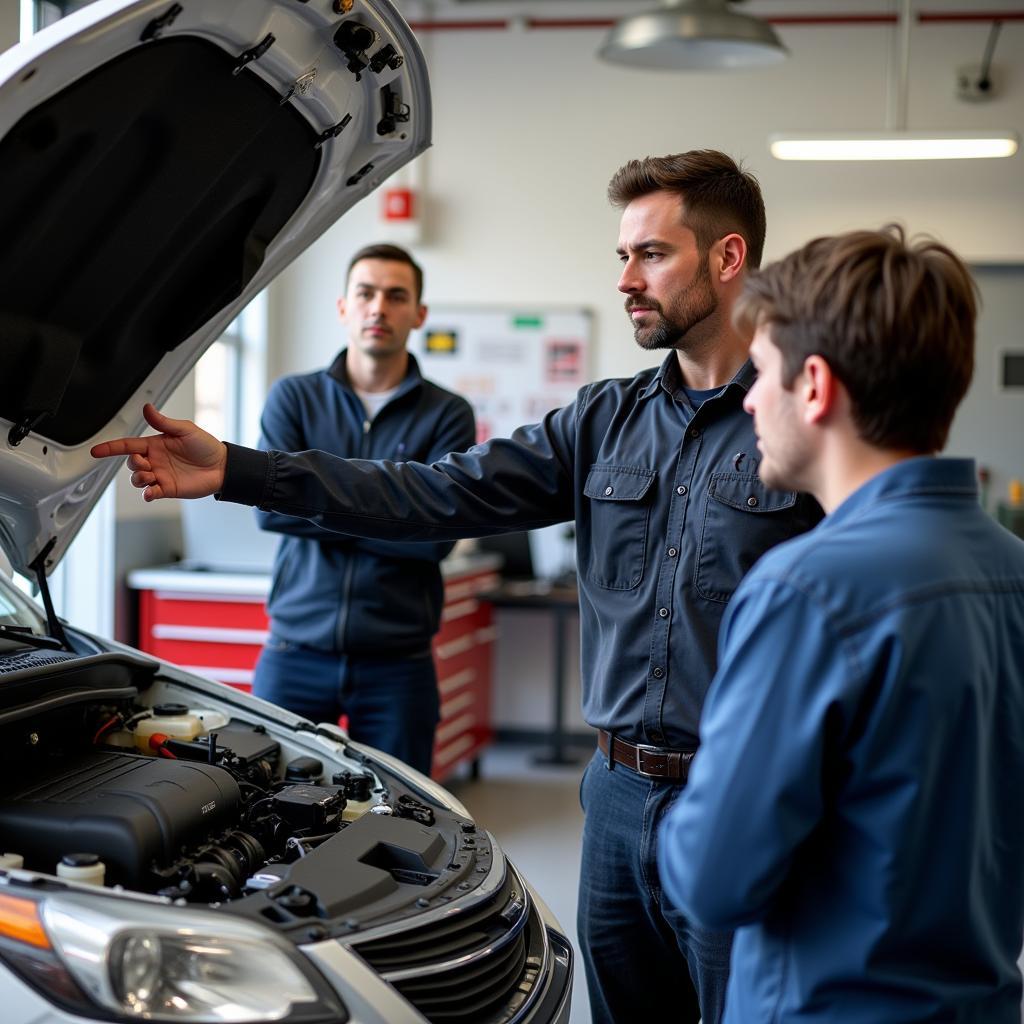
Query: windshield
x,y
17,609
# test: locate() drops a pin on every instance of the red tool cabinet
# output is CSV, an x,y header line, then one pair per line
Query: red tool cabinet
x,y
215,623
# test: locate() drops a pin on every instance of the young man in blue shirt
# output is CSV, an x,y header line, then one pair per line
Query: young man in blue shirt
x,y
351,620
657,473
855,806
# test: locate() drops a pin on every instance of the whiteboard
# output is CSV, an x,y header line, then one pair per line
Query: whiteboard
x,y
512,365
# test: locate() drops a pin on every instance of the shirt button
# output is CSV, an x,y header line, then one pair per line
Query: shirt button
x,y
672,552
694,432
680,489
663,612
609,490
658,673
752,501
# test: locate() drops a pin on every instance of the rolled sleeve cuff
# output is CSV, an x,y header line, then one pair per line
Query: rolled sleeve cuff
x,y
246,476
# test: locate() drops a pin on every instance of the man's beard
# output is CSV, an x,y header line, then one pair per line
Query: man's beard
x,y
693,305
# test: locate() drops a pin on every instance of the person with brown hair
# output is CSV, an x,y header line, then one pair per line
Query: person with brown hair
x,y
658,472
351,620
854,809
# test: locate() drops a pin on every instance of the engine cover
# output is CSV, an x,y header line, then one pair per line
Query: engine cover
x,y
135,812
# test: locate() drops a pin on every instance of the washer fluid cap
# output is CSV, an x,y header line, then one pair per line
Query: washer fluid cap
x,y
170,710
80,860
304,769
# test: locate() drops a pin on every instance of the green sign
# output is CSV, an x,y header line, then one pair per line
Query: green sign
x,y
528,323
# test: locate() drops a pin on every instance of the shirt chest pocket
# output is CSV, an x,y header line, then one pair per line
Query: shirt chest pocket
x,y
742,520
619,507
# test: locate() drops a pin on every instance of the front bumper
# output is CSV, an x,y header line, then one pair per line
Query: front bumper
x,y
495,957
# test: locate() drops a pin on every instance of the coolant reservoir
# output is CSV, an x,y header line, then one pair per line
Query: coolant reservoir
x,y
356,809
82,867
121,738
209,720
173,720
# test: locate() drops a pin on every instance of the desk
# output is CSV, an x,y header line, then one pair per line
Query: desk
x,y
562,603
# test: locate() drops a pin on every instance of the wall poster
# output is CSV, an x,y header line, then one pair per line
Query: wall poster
x,y
512,365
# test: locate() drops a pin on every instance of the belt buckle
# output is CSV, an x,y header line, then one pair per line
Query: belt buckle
x,y
639,749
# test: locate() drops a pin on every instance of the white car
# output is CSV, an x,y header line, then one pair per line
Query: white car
x,y
172,849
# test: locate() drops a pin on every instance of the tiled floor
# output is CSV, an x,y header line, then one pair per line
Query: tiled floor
x,y
534,812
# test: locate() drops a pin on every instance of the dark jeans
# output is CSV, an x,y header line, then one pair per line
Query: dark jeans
x,y
644,960
391,703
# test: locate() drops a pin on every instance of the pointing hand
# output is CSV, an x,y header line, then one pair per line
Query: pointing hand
x,y
181,461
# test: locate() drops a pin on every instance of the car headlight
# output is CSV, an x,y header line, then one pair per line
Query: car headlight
x,y
165,963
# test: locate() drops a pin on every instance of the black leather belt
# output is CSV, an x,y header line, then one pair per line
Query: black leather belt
x,y
651,762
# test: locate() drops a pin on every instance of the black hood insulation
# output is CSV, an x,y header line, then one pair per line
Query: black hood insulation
x,y
134,205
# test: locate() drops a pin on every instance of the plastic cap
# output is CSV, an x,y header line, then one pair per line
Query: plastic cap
x,y
80,860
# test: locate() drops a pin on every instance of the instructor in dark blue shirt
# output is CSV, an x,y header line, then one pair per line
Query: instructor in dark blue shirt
x,y
855,806
351,619
659,473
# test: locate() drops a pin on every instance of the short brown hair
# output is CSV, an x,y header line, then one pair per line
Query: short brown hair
x,y
719,196
894,321
394,253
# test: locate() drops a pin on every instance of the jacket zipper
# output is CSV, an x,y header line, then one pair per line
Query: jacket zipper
x,y
350,569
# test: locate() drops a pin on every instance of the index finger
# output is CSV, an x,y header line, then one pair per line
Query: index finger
x,y
122,446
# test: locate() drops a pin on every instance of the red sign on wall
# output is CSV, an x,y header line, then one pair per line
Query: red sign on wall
x,y
399,204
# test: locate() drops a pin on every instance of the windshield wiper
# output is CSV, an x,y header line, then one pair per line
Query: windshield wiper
x,y
24,635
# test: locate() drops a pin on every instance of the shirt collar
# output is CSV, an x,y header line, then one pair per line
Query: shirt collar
x,y
924,474
667,378
339,371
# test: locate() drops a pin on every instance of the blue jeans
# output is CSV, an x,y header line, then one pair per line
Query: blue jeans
x,y
391,703
643,959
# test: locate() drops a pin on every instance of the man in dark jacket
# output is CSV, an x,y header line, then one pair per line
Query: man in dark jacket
x,y
659,474
351,619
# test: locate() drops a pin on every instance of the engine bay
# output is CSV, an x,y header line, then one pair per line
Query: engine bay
x,y
112,775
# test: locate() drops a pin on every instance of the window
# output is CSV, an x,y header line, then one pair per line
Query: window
x,y
39,14
216,386
230,377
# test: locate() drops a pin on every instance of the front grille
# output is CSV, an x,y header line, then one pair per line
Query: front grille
x,y
480,966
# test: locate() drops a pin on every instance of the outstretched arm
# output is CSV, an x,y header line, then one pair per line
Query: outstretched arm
x,y
181,461
517,483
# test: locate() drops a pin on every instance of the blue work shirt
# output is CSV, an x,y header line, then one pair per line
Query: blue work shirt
x,y
855,808
669,514
350,595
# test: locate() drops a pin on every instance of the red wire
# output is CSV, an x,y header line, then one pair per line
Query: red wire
x,y
105,727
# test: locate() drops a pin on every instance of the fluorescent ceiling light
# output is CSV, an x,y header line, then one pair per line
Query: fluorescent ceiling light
x,y
693,35
894,146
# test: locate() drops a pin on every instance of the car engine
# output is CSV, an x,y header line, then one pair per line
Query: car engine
x,y
94,779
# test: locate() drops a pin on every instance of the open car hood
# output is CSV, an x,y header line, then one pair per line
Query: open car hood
x,y
160,163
